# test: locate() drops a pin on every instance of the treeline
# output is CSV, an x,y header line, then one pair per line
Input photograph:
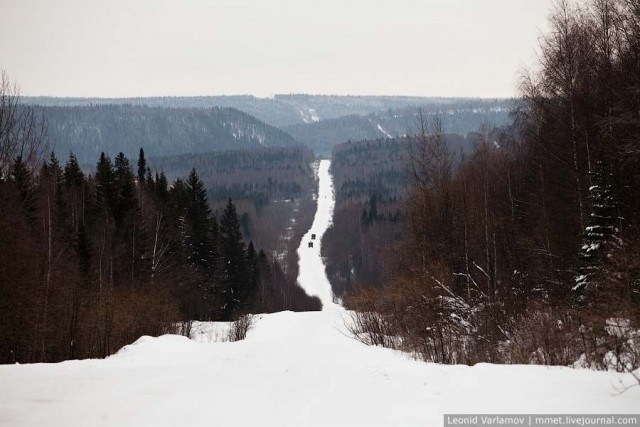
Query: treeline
x,y
280,110
89,263
458,117
89,130
272,188
371,167
261,174
370,183
378,167
529,251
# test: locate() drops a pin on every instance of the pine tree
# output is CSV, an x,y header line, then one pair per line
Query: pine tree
x,y
265,282
198,214
52,175
161,187
253,274
601,233
148,180
124,188
105,194
233,262
196,231
74,181
51,169
73,175
21,176
142,167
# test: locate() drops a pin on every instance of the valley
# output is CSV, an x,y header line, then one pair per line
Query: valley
x,y
292,369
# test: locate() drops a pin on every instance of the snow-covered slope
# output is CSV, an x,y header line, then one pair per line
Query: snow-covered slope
x,y
293,369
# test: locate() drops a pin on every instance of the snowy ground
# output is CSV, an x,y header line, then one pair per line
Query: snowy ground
x,y
293,369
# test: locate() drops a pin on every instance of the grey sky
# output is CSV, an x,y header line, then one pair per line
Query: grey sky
x,y
118,48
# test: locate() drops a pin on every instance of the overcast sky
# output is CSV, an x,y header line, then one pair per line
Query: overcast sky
x,y
117,48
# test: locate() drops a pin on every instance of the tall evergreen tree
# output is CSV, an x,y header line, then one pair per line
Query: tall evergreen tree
x,y
21,176
198,215
53,176
195,226
161,187
51,169
105,180
148,180
74,182
253,275
233,262
124,187
142,167
601,233
73,175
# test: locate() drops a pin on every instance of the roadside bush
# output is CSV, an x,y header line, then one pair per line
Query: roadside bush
x,y
240,327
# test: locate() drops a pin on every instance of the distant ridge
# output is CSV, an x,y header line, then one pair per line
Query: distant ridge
x,y
280,110
89,130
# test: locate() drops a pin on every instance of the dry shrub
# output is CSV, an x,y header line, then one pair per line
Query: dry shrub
x,y
369,321
185,328
149,310
409,317
240,327
543,336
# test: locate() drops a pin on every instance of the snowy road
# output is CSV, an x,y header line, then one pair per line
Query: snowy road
x,y
293,369
312,276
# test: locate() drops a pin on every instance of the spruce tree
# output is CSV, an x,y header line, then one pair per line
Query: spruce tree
x,y
73,175
148,180
233,262
51,169
55,174
124,188
105,191
198,215
192,214
253,274
74,181
161,187
21,176
601,233
142,167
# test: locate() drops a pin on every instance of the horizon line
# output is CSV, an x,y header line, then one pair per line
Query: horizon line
x,y
273,96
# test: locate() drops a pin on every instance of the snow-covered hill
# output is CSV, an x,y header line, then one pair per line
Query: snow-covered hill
x,y
293,369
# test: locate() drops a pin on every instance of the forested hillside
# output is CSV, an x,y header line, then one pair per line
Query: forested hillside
x,y
279,110
89,130
457,117
371,182
270,186
168,126
528,251
92,262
